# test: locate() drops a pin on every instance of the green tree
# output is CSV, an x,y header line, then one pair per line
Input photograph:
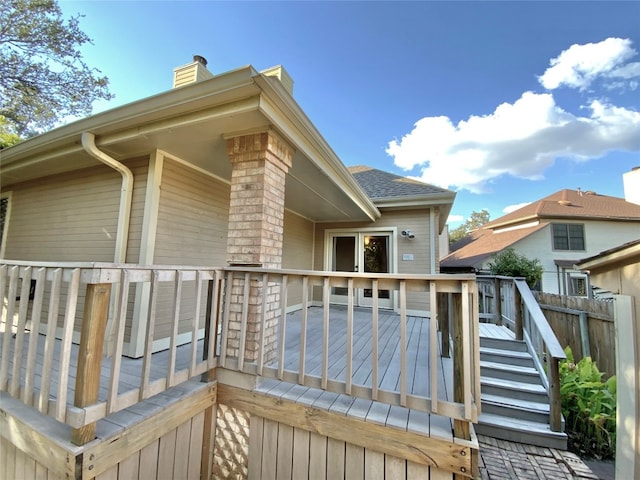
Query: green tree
x,y
43,77
511,264
475,221
7,136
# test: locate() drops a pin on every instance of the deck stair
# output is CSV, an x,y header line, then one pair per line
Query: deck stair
x,y
515,404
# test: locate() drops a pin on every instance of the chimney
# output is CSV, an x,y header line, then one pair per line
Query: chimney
x,y
281,74
631,182
195,71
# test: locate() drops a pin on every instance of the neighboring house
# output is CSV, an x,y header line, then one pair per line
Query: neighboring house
x,y
221,170
558,230
618,271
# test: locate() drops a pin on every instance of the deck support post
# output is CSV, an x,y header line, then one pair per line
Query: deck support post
x,y
498,300
443,324
555,402
517,300
461,428
94,323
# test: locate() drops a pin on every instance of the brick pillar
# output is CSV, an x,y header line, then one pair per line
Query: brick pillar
x,y
260,162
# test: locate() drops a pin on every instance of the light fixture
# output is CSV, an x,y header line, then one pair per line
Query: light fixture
x,y
408,234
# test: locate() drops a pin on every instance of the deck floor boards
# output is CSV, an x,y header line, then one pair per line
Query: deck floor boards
x,y
417,357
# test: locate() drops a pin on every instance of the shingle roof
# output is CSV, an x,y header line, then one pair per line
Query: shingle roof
x,y
572,204
378,184
565,204
483,243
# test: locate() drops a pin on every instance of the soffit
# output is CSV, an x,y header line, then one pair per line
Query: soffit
x,y
193,129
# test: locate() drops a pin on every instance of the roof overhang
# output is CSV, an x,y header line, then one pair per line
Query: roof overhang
x,y
191,123
610,257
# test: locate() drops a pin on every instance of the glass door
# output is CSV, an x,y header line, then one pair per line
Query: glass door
x,y
361,252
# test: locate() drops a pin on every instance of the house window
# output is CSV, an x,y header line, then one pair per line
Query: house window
x,y
577,285
568,236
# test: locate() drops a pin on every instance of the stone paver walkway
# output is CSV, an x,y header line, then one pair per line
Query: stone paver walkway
x,y
502,460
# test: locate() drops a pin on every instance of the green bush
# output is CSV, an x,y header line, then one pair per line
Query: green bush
x,y
511,264
589,408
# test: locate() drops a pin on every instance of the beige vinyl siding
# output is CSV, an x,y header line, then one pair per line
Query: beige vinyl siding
x,y
192,230
140,169
73,217
65,218
297,250
420,247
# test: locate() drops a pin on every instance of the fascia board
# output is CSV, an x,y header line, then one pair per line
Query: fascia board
x,y
613,257
293,124
172,103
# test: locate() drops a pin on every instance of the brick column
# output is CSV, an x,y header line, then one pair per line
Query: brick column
x,y
260,162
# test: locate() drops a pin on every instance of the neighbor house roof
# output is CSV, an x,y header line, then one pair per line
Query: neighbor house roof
x,y
572,204
388,190
481,244
505,231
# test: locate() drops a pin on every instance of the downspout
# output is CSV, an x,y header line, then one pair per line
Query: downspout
x,y
122,232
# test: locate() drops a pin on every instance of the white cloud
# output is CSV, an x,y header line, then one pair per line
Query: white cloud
x,y
513,208
580,65
520,139
455,219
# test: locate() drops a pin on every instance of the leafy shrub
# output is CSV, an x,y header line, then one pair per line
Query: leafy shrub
x,y
589,408
511,264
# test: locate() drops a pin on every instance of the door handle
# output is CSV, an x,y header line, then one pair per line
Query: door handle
x,y
355,269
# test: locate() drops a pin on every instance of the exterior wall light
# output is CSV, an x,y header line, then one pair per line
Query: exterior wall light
x,y
408,234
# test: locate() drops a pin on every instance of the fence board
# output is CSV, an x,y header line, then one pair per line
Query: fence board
x,y
566,326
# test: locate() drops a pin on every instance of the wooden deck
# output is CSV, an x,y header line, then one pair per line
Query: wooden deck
x,y
418,342
417,358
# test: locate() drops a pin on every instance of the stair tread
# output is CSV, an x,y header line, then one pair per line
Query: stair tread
x,y
513,385
505,353
509,367
500,400
518,424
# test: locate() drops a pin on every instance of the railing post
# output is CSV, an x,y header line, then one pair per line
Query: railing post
x,y
555,404
94,322
517,301
460,428
498,298
443,323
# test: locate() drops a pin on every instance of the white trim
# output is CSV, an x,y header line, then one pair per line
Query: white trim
x,y
182,339
359,233
193,167
147,252
434,240
3,245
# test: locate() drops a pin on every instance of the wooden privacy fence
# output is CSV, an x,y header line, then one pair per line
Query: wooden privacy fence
x,y
509,301
586,325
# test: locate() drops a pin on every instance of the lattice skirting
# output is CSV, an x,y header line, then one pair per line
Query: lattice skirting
x,y
231,448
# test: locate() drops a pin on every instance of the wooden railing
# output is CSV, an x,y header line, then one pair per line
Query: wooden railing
x,y
508,301
313,288
52,352
43,363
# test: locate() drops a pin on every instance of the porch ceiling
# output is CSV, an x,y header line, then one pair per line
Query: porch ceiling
x,y
194,131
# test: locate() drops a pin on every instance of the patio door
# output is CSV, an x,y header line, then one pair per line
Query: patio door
x,y
368,252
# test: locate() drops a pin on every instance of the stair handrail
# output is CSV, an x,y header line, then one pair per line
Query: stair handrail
x,y
542,341
530,325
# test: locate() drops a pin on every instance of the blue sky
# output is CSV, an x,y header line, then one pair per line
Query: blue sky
x,y
503,102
